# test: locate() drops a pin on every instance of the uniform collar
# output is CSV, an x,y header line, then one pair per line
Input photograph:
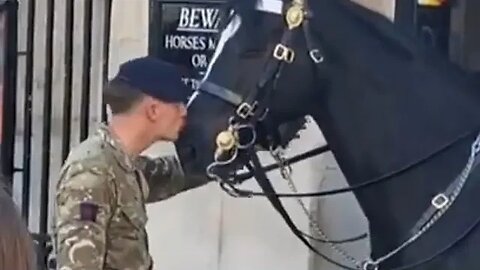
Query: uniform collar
x,y
125,160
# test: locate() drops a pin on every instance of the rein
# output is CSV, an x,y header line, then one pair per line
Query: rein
x,y
240,178
253,109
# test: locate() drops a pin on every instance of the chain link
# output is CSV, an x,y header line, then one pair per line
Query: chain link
x,y
286,173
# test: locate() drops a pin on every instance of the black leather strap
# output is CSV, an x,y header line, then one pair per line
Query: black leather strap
x,y
300,157
221,92
273,65
432,210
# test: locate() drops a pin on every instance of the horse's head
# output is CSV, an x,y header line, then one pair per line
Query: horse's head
x,y
243,74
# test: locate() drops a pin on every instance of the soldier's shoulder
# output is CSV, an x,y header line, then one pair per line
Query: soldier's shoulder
x,y
91,150
92,157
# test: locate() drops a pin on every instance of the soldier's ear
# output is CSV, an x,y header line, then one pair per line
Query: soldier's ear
x,y
153,109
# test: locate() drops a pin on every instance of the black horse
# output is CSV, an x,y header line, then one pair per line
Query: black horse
x,y
400,120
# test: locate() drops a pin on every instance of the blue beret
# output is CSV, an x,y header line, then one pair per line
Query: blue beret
x,y
155,78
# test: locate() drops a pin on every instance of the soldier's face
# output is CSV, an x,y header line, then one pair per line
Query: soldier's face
x,y
167,119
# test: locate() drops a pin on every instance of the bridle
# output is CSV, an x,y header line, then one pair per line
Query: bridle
x,y
253,110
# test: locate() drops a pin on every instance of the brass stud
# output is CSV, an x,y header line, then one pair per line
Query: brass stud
x,y
225,140
294,16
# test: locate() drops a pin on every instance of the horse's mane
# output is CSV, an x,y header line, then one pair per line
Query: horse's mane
x,y
375,23
405,46
402,45
370,19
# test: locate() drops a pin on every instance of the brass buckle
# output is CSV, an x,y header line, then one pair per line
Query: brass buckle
x,y
369,265
245,110
282,52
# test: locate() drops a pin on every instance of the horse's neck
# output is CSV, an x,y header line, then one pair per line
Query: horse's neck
x,y
375,135
387,107
387,103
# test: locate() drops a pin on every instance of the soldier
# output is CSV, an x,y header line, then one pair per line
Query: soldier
x,y
105,183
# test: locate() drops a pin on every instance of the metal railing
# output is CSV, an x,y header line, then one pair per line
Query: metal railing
x,y
20,83
9,9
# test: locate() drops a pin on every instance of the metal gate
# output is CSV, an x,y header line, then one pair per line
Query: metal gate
x,y
8,13
56,64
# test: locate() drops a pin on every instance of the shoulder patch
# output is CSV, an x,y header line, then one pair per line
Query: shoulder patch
x,y
88,211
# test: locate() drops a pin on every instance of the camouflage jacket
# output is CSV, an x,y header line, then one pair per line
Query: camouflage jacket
x,y
100,201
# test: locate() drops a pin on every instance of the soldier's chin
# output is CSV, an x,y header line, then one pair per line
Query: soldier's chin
x,y
171,137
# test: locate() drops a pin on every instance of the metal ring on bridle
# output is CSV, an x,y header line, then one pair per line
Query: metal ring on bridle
x,y
370,265
217,163
252,140
316,56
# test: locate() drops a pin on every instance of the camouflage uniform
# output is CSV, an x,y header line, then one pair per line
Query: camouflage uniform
x,y
100,204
